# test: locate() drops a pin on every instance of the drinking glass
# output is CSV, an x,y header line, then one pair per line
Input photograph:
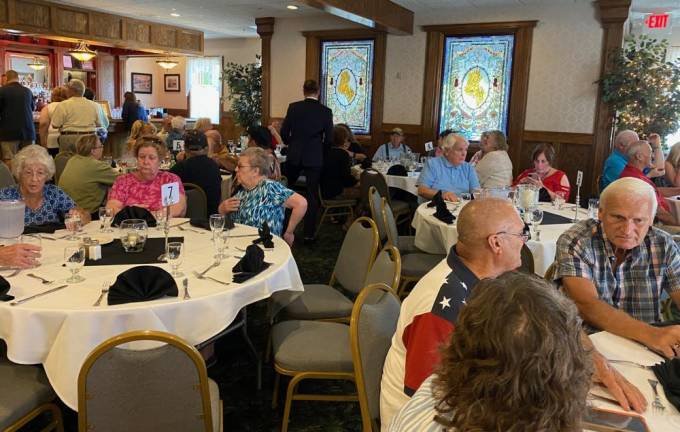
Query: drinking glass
x,y
558,201
105,216
32,239
74,258
174,256
73,225
593,207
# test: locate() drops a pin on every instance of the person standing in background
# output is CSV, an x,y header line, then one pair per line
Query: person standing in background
x,y
16,117
307,130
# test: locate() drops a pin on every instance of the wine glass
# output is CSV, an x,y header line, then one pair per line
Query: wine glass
x,y
73,225
174,255
105,216
74,258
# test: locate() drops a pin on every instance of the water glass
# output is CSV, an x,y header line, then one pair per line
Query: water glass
x,y
174,255
32,239
106,217
74,258
558,200
593,207
73,225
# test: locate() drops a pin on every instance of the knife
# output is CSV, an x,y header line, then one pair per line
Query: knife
x,y
18,302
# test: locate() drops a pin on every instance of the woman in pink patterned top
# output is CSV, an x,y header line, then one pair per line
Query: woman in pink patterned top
x,y
142,188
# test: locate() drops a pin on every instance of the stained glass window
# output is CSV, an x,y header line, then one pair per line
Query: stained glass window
x,y
347,82
476,84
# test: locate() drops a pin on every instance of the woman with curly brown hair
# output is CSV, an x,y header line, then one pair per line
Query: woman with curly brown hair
x,y
515,363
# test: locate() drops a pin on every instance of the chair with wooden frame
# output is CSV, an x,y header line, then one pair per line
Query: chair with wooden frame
x,y
357,253
26,394
413,265
345,207
162,388
334,351
197,201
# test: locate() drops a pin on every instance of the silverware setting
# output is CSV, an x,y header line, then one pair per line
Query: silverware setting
x,y
200,276
43,280
657,406
185,283
24,300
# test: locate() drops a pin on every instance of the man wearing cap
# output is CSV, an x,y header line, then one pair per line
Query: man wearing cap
x,y
76,116
393,149
200,169
16,117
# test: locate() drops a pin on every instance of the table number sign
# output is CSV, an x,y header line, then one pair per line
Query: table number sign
x,y
170,194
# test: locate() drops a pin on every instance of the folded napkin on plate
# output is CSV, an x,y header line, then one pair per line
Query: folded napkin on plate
x,y
142,283
250,265
4,289
265,236
668,374
48,228
398,170
132,212
205,223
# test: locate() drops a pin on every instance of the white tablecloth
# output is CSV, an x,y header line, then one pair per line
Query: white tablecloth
x,y
60,329
615,347
436,237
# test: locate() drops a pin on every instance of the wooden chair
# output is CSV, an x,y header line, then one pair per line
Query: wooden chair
x,y
333,351
197,201
345,207
162,388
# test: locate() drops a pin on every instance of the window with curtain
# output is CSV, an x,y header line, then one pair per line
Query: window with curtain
x,y
205,87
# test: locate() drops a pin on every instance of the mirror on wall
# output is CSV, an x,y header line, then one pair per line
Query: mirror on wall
x,y
30,74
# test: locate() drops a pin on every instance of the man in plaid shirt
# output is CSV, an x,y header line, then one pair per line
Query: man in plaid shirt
x,y
615,268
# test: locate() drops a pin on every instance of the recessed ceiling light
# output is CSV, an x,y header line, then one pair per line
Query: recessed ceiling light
x,y
175,14
292,7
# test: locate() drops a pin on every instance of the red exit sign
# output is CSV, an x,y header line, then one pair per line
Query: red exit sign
x,y
657,21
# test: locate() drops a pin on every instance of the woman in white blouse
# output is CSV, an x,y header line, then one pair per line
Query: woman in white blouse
x,y
492,163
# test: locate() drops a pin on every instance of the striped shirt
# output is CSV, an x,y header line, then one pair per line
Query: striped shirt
x,y
636,284
418,414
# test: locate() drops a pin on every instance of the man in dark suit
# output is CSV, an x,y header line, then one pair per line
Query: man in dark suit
x,y
307,130
16,117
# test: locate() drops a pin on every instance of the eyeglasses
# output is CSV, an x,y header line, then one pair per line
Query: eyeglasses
x,y
525,235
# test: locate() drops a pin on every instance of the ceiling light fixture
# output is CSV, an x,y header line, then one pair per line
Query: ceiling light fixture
x,y
167,63
175,14
82,52
36,64
292,7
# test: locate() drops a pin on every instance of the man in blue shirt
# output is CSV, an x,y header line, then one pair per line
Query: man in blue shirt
x,y
617,161
393,149
449,172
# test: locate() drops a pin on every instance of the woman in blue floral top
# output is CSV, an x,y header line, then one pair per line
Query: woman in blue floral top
x,y
261,200
45,203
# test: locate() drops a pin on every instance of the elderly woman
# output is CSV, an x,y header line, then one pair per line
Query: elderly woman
x,y
551,181
86,178
142,188
203,124
49,136
449,173
492,163
45,203
262,200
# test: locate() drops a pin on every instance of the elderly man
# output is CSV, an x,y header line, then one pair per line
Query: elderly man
x,y
393,149
16,117
639,156
615,268
486,248
76,116
449,173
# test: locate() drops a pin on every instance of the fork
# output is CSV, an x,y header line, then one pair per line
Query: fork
x,y
657,406
105,290
35,276
200,276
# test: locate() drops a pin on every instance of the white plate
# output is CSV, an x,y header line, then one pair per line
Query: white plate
x,y
102,238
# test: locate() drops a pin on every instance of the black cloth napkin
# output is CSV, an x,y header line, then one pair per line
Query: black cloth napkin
x,y
48,228
398,170
554,219
141,284
4,289
132,212
668,374
250,265
265,236
114,254
205,223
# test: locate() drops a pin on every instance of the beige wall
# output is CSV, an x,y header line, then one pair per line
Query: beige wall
x,y
565,62
236,50
159,97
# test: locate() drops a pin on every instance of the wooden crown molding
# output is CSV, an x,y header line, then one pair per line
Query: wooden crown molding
x,y
383,15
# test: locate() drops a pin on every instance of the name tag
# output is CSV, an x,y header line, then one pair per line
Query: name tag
x,y
178,145
170,194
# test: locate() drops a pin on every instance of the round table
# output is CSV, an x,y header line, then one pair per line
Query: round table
x,y
60,329
436,237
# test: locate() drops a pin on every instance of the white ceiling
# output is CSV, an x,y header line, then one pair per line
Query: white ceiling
x,y
236,18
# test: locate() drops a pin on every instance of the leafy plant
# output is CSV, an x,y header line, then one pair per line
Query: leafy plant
x,y
643,87
245,91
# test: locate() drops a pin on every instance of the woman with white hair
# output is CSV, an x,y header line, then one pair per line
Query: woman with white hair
x,y
45,203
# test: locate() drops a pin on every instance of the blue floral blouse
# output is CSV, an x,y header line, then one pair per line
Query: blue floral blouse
x,y
56,203
263,203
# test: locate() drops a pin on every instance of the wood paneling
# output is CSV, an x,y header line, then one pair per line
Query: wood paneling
x,y
383,15
54,21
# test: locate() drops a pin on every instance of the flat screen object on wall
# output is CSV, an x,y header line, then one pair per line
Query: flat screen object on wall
x,y
601,420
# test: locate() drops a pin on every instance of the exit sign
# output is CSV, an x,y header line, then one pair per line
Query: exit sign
x,y
657,21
